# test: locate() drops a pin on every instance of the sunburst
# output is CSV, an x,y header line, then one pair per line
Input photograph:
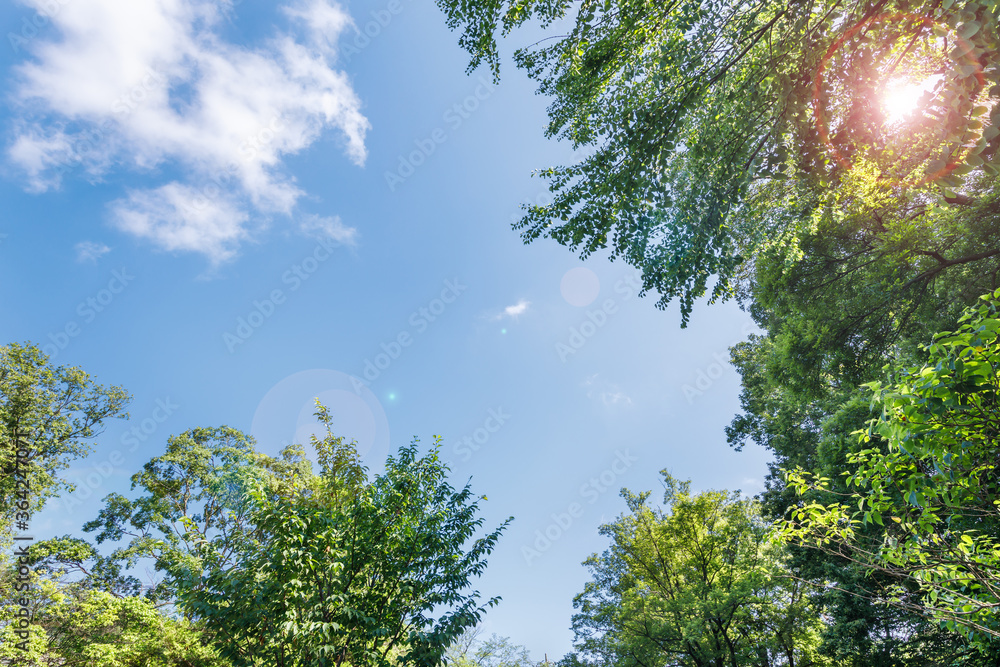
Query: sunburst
x,y
904,97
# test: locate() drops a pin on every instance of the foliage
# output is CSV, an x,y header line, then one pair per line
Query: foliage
x,y
684,109
928,474
870,268
195,494
71,556
872,272
52,412
74,624
284,567
697,583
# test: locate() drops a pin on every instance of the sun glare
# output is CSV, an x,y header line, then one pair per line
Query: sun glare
x,y
902,97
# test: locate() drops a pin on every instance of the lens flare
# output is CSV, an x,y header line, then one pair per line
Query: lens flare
x,y
903,97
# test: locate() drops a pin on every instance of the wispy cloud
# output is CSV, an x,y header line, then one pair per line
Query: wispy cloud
x,y
89,251
177,217
607,393
328,227
153,87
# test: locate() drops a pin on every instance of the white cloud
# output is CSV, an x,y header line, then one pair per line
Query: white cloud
x,y
517,309
514,311
325,22
151,86
179,217
332,228
608,393
40,155
89,251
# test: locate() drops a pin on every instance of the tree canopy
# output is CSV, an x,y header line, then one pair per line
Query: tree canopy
x,y
49,412
78,622
282,566
927,472
698,582
683,110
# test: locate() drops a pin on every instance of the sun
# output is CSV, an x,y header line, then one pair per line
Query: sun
x,y
902,97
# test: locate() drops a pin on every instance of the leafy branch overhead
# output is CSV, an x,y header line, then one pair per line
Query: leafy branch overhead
x,y
682,109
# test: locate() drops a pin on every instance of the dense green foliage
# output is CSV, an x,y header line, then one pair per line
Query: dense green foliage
x,y
873,281
194,503
77,624
284,567
928,473
353,573
697,583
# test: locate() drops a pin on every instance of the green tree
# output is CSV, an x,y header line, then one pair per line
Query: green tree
x,y
285,567
376,576
684,109
928,473
872,274
194,494
75,624
696,583
871,271
50,413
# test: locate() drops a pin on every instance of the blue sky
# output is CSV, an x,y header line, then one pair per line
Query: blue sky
x,y
233,208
